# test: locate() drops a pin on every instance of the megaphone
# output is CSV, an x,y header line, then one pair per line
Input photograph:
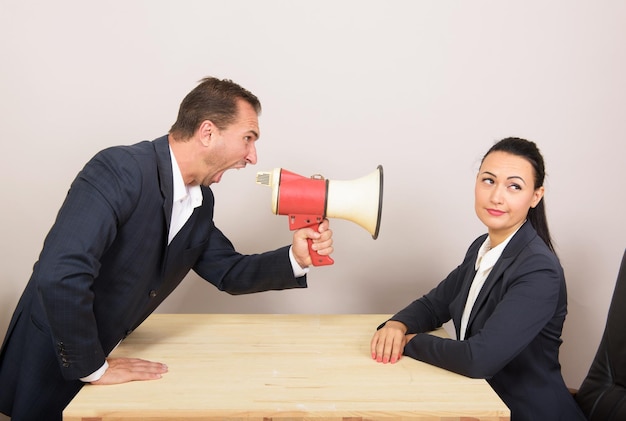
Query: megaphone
x,y
308,200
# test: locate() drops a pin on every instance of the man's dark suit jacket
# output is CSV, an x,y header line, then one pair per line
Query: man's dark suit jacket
x,y
105,266
514,330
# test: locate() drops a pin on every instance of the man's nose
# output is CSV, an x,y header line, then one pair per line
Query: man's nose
x,y
251,157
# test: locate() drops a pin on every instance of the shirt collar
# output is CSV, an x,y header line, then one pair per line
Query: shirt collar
x,y
487,256
181,191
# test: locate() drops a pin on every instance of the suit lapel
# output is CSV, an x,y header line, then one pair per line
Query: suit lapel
x,y
458,309
519,240
164,165
166,183
492,279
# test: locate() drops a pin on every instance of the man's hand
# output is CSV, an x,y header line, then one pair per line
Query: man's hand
x,y
124,370
322,243
388,342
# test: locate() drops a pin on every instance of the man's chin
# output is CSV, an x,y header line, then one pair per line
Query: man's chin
x,y
216,179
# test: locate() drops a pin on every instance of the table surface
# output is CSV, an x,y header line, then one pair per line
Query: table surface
x,y
273,366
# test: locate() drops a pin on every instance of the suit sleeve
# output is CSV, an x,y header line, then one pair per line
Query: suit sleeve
x,y
99,198
527,305
434,309
237,273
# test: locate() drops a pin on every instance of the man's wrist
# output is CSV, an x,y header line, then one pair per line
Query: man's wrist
x,y
298,271
96,375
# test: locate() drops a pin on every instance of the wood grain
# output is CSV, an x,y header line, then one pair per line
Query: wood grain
x,y
279,367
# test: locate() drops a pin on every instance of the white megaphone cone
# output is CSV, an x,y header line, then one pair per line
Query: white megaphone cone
x,y
359,200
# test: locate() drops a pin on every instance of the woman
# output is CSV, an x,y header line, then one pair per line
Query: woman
x,y
507,299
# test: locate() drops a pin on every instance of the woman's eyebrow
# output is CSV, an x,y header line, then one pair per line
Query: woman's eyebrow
x,y
517,177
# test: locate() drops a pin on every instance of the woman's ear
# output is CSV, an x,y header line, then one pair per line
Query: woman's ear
x,y
537,196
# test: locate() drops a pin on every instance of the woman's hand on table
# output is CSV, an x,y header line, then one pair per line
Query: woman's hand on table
x,y
388,342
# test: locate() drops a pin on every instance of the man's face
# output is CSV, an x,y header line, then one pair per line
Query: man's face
x,y
231,148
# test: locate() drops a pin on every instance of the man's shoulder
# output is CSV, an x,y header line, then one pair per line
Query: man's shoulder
x,y
144,153
145,147
126,161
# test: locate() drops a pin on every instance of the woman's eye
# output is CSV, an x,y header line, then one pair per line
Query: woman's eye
x,y
515,186
488,180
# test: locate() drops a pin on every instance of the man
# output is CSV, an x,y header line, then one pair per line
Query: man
x,y
135,221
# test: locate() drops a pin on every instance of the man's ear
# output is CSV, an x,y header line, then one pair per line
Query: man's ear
x,y
205,130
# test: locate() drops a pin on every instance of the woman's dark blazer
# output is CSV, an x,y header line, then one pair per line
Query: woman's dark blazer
x,y
105,266
514,330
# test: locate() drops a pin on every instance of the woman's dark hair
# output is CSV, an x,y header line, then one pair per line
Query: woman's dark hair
x,y
213,99
529,151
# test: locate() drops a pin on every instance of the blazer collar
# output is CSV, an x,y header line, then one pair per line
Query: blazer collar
x,y
164,166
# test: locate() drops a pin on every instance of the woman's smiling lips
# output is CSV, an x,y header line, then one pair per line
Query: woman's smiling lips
x,y
495,212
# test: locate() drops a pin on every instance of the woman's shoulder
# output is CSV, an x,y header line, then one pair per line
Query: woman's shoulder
x,y
532,255
528,243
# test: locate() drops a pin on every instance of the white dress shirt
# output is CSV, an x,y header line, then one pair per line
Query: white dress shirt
x,y
487,258
185,200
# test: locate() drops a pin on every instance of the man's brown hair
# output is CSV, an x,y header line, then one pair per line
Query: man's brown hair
x,y
213,99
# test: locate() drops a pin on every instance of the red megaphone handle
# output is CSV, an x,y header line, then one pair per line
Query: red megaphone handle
x,y
297,221
316,259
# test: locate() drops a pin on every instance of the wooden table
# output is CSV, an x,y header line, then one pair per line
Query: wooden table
x,y
279,367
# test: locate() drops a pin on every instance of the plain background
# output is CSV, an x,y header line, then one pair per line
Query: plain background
x,y
422,88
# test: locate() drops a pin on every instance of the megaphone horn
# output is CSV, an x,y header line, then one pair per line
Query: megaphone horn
x,y
359,200
308,201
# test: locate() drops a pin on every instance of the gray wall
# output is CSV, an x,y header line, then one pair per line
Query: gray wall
x,y
421,87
